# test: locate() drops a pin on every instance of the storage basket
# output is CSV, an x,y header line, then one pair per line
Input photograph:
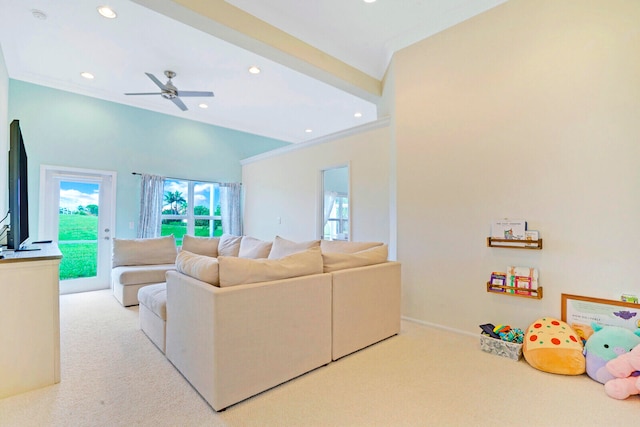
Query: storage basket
x,y
502,348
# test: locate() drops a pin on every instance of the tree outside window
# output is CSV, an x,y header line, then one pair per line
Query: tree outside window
x,y
191,207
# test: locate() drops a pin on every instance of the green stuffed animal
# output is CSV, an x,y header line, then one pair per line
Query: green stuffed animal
x,y
607,343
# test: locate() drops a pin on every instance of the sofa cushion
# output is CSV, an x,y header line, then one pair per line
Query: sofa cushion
x,y
283,247
154,297
159,250
250,247
201,245
237,271
200,267
344,247
334,261
229,245
140,274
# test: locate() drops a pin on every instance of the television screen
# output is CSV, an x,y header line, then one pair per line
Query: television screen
x,y
18,199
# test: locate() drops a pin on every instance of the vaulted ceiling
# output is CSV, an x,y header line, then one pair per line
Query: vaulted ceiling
x,y
321,62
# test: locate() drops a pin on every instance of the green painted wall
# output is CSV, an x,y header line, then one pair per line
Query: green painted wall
x,y
65,129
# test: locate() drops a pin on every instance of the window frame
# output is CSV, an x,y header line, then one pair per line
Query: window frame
x,y
190,217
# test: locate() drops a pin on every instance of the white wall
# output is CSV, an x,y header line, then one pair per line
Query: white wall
x,y
286,184
530,110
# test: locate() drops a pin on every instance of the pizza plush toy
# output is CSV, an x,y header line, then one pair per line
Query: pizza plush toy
x,y
551,345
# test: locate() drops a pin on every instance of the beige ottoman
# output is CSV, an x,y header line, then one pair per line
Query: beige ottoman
x,y
153,313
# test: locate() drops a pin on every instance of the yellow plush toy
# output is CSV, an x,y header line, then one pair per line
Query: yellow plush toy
x,y
551,345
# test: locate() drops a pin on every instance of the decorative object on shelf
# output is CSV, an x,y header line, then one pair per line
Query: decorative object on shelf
x,y
519,278
498,278
513,233
509,229
518,281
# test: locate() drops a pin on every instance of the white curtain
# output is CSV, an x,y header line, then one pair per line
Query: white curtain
x,y
230,200
329,200
151,198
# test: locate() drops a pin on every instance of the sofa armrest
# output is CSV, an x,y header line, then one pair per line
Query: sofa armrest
x,y
232,343
366,306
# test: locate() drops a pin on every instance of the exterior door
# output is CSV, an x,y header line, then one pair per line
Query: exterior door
x,y
78,214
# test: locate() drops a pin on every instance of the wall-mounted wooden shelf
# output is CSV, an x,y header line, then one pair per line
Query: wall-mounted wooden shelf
x,y
514,244
505,290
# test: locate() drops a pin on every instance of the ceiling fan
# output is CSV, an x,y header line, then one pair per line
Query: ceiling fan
x,y
170,92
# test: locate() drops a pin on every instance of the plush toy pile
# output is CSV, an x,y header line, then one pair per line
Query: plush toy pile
x,y
610,355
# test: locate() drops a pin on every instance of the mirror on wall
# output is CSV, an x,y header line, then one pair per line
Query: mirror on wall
x,y
335,204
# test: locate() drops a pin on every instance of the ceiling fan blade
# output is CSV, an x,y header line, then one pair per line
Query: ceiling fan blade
x,y
193,93
156,81
145,93
179,103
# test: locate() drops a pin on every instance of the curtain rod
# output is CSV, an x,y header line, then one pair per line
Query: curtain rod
x,y
183,179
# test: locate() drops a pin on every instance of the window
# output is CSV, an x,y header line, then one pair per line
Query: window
x,y
191,207
337,226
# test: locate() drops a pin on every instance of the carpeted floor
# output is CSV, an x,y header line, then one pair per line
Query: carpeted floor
x,y
112,375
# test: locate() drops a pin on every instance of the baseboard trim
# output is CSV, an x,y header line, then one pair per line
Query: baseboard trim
x,y
438,326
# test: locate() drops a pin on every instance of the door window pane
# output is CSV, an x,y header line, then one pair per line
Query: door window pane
x,y
78,229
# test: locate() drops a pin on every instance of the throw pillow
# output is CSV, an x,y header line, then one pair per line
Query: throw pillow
x,y
251,247
339,261
199,267
345,247
283,247
229,245
201,245
238,271
159,250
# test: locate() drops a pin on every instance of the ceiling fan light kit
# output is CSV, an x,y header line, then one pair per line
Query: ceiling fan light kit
x,y
171,92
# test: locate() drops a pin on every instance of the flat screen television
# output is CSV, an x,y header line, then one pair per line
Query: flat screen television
x,y
18,197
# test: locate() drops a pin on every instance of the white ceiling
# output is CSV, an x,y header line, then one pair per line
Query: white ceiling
x,y
279,103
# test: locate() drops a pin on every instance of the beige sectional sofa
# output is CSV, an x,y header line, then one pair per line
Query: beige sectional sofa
x,y
238,324
140,262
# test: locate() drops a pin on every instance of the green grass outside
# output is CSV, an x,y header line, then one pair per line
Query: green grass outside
x,y
77,227
180,229
80,259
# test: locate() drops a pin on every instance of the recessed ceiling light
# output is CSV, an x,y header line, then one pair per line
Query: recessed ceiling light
x,y
38,14
254,70
369,1
87,75
203,106
357,115
308,130
107,12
